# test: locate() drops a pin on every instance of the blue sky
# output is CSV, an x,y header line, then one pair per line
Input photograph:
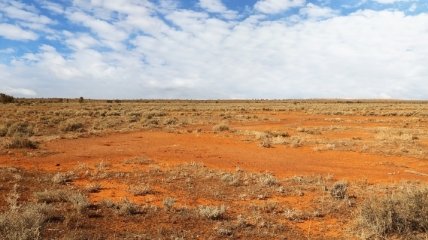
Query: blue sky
x,y
214,48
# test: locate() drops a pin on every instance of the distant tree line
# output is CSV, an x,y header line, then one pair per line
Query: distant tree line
x,y
6,98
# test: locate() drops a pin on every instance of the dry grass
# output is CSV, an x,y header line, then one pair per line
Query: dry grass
x,y
222,127
22,143
402,215
212,212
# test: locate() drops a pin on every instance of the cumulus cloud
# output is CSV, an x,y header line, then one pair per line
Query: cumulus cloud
x,y
137,49
217,6
277,6
14,32
316,12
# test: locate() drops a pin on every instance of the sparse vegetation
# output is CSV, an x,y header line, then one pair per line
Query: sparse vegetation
x,y
140,190
168,203
401,214
212,212
221,127
339,190
22,142
135,191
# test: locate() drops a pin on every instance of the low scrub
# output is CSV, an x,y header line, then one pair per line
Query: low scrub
x,y
212,212
21,142
24,223
6,98
72,126
221,127
400,215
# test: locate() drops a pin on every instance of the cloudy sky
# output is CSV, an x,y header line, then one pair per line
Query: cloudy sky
x,y
205,49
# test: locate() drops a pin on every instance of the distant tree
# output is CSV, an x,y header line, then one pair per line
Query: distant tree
x,y
81,99
6,98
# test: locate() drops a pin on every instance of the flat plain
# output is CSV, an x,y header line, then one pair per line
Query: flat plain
x,y
159,169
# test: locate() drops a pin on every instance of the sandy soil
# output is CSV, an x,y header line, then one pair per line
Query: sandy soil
x,y
224,151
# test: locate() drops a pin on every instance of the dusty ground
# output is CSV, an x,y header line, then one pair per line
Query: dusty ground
x,y
272,168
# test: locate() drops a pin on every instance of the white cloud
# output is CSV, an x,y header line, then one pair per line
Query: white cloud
x,y
390,1
18,91
14,32
130,52
217,6
315,12
277,6
110,34
53,7
25,15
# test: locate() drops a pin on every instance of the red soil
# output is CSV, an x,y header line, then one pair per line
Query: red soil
x,y
217,151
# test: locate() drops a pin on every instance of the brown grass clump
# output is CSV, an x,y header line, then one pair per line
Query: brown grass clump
x,y
21,142
79,201
266,142
400,215
168,203
23,223
141,190
72,126
339,190
221,127
212,212
20,129
127,207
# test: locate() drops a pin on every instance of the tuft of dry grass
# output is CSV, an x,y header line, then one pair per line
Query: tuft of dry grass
x,y
63,178
222,127
212,212
400,215
21,142
93,188
141,190
339,190
127,208
24,223
168,203
72,126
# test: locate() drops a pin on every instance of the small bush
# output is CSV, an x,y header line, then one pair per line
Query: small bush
x,y
339,190
140,190
3,130
403,214
266,142
268,180
127,207
6,98
72,126
168,203
24,223
20,142
63,178
221,127
20,129
212,212
93,188
79,201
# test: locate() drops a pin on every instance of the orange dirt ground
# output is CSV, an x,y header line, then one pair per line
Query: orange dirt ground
x,y
224,151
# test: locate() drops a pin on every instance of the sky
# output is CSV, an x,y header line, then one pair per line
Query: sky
x,y
214,49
